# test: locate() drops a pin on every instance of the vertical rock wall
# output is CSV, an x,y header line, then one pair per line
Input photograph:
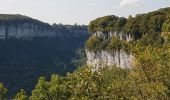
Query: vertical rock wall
x,y
118,58
26,30
104,58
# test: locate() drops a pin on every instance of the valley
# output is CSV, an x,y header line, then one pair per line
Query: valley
x,y
112,58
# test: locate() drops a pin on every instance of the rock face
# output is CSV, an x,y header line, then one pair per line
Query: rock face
x,y
120,35
118,58
23,27
26,30
19,26
104,58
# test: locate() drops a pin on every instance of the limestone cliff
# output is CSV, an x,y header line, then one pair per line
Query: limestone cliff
x,y
23,27
101,53
25,30
19,26
116,57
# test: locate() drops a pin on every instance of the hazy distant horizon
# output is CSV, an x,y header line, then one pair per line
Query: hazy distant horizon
x,y
78,11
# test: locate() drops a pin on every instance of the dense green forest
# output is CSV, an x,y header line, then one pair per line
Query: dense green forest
x,y
147,79
149,23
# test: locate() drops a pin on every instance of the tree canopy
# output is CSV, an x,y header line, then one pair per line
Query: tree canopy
x,y
151,22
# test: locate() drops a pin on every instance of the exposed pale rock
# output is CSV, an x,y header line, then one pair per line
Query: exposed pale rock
x,y
26,30
120,35
117,58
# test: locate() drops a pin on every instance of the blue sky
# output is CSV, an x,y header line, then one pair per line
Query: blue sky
x,y
78,11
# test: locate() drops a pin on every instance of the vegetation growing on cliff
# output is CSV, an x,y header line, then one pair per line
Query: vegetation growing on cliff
x,y
166,30
151,24
94,43
97,44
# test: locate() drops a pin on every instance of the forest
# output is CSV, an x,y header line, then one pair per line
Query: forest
x,y
147,79
23,61
148,23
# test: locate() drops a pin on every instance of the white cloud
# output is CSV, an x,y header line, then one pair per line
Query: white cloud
x,y
124,3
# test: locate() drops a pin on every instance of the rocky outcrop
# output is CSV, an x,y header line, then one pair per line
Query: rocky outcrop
x,y
119,58
26,30
23,27
120,35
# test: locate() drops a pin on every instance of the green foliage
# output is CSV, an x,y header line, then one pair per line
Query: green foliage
x,y
55,89
70,29
107,23
149,40
166,26
82,84
147,80
139,25
96,44
166,30
91,27
21,95
132,27
150,64
3,92
120,24
117,44
103,24
145,23
80,59
41,90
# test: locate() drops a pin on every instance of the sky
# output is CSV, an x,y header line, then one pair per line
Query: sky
x,y
78,11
